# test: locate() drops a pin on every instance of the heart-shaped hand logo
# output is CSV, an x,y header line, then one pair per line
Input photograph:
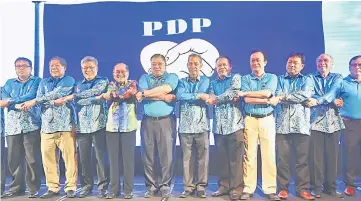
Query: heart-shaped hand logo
x,y
177,55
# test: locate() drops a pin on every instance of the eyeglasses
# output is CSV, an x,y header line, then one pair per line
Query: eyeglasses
x,y
22,66
356,65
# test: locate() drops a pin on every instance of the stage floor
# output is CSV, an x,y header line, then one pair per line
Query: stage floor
x,y
177,189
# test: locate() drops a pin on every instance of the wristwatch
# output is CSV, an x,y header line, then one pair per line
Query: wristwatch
x,y
143,96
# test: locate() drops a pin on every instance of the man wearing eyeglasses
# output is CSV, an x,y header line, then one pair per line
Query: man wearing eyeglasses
x,y
350,112
23,130
158,129
90,127
57,120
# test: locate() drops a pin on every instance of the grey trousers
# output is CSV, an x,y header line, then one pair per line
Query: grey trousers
x,y
85,141
26,145
192,144
121,151
158,140
3,170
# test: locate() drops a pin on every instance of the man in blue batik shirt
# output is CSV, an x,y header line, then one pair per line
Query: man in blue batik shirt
x,y
2,144
57,120
293,126
228,128
326,127
91,113
351,114
22,130
194,127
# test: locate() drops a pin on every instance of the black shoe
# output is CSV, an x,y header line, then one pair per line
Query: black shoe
x,y
245,196
111,196
102,193
202,194
84,193
70,194
49,194
149,193
334,194
128,196
11,194
273,197
316,193
33,194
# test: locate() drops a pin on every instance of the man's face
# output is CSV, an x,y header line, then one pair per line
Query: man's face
x,y
294,65
194,66
158,66
120,73
324,64
22,69
89,69
355,67
56,69
223,67
257,62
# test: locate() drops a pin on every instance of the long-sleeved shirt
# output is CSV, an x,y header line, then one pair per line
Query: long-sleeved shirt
x,y
325,117
252,83
158,108
2,120
56,118
291,115
193,110
351,96
16,92
91,113
227,115
122,112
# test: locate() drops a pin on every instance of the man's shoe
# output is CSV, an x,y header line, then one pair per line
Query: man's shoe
x,y
283,194
334,194
128,196
102,193
149,193
202,194
306,195
349,191
33,194
273,197
70,194
165,193
11,194
220,192
111,196
245,196
186,194
316,193
49,194
84,193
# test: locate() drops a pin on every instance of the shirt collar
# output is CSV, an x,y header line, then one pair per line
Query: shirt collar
x,y
30,78
227,76
352,79
85,80
197,79
287,75
154,77
254,77
56,79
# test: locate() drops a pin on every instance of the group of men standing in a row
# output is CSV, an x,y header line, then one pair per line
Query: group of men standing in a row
x,y
294,112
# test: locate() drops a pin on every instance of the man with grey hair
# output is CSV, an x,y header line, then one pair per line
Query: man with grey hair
x,y
91,113
326,127
194,126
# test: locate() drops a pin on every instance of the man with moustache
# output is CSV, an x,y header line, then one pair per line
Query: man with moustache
x,y
293,126
257,89
56,129
90,127
350,112
326,127
121,130
228,125
194,126
156,92
23,130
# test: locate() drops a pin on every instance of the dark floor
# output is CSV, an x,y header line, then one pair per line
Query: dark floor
x,y
139,189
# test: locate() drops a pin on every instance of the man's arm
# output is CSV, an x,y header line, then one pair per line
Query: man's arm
x,y
170,84
302,95
231,92
96,90
64,88
31,94
331,95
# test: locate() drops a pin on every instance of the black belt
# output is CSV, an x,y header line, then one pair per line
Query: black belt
x,y
259,115
157,118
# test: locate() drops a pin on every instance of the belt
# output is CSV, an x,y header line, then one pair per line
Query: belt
x,y
259,115
157,118
350,119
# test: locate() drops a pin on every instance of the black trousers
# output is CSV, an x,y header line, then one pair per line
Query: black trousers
x,y
192,144
230,161
25,145
85,142
121,144
158,140
299,145
3,170
351,142
324,152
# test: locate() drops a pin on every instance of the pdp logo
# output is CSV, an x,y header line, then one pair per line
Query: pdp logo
x,y
177,54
